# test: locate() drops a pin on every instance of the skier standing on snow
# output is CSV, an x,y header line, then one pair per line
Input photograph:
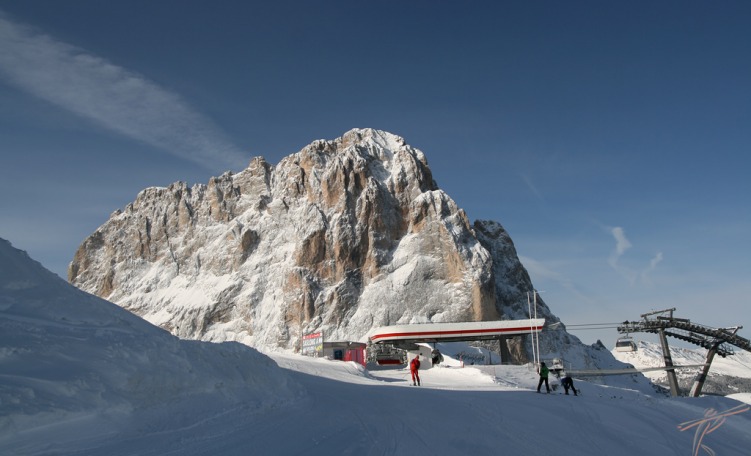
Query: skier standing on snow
x,y
543,377
414,366
568,383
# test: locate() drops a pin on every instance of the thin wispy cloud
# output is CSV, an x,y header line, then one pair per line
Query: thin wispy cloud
x,y
652,266
538,269
531,186
110,96
544,272
621,245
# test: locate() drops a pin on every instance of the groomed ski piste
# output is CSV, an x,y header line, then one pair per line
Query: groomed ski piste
x,y
81,376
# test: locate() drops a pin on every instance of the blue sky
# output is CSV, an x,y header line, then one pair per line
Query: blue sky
x,y
611,139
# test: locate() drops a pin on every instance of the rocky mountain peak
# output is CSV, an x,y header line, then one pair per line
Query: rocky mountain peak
x,y
342,236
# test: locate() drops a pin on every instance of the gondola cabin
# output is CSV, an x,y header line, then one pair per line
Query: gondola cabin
x,y
625,344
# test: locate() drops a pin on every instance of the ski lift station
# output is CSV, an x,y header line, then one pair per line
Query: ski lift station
x,y
388,344
399,344
314,345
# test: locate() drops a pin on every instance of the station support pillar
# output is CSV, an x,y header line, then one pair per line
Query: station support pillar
x,y
503,350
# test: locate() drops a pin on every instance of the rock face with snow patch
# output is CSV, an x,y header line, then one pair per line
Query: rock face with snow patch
x,y
343,236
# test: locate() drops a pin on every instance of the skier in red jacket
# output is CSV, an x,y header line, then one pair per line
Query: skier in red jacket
x,y
414,366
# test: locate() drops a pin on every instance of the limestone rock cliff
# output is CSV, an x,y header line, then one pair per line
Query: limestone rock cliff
x,y
343,236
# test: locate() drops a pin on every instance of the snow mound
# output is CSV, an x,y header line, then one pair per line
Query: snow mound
x,y
741,397
67,356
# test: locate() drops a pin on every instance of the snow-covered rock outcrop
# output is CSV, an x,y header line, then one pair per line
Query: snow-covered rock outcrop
x,y
343,236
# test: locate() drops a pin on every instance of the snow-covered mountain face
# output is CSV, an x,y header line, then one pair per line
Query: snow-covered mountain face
x,y
343,236
729,375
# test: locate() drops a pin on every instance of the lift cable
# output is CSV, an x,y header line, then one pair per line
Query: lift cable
x,y
591,326
590,329
742,364
595,324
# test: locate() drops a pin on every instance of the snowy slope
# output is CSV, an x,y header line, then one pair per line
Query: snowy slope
x,y
79,376
731,374
69,359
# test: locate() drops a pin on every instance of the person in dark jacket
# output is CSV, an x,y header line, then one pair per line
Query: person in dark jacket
x,y
568,383
437,357
543,377
414,367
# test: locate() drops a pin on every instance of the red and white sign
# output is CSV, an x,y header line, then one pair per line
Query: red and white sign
x,y
312,344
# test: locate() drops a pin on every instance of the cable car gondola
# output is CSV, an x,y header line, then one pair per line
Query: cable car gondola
x,y
625,344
